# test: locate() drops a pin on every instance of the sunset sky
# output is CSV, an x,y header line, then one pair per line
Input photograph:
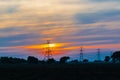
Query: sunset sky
x,y
25,25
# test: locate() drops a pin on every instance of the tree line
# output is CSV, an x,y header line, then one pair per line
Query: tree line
x,y
115,58
31,59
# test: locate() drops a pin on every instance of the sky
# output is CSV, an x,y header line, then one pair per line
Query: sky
x,y
26,25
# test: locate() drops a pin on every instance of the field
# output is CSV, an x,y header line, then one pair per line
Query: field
x,y
82,71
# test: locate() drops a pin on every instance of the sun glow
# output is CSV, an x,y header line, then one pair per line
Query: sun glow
x,y
52,45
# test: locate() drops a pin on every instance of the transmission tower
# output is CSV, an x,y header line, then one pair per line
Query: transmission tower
x,y
111,52
81,54
98,55
48,53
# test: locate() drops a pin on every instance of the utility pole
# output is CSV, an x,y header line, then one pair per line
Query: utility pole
x,y
81,54
98,55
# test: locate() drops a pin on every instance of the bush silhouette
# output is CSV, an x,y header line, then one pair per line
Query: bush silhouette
x,y
107,59
85,60
32,59
74,61
52,60
64,59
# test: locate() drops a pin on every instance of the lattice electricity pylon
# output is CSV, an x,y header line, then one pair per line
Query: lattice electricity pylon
x,y
81,54
98,54
48,51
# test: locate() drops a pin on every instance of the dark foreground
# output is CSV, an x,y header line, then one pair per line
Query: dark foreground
x,y
87,71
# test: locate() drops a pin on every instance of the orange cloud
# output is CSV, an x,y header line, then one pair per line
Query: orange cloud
x,y
56,48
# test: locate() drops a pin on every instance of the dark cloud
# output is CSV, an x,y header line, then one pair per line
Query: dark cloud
x,y
19,40
9,10
11,29
99,30
94,36
89,18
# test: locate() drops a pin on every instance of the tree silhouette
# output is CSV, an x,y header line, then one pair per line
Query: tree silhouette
x,y
116,56
107,59
64,59
11,60
4,60
32,59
